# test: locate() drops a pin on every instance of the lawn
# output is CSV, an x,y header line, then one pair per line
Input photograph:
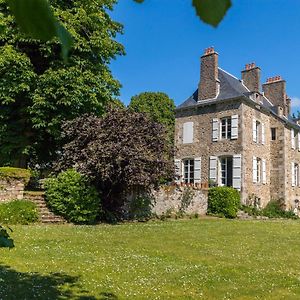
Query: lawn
x,y
185,259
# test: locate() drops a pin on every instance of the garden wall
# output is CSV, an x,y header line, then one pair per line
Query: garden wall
x,y
189,200
11,188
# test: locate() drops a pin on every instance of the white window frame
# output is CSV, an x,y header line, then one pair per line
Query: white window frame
x,y
257,129
296,174
258,170
187,178
228,128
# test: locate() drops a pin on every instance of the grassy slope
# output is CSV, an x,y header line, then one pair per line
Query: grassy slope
x,y
190,259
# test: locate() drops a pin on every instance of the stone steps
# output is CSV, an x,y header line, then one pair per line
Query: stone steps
x,y
46,215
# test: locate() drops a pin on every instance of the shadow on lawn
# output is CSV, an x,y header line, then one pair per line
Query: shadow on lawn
x,y
17,285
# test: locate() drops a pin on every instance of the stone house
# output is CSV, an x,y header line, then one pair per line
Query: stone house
x,y
235,132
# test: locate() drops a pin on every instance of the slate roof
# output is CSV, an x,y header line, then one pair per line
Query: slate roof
x,y
230,88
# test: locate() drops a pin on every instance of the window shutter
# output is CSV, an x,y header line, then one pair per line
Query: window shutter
x,y
178,170
264,171
188,132
197,170
213,168
234,127
298,136
263,133
293,177
293,138
237,171
215,130
254,132
254,175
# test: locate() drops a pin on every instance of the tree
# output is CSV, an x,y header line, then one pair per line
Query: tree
x,y
38,91
121,151
159,107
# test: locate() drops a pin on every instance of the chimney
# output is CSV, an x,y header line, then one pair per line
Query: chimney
x,y
275,90
251,77
209,83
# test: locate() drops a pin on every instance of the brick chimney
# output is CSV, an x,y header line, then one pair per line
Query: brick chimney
x,y
251,77
275,90
209,84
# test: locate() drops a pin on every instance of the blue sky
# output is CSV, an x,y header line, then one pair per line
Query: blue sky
x,y
164,41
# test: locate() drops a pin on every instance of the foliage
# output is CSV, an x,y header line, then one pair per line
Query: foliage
x,y
186,199
38,91
18,212
224,201
118,152
159,107
5,240
140,207
209,11
71,196
16,173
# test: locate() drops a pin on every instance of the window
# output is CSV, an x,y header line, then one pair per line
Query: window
x,y
226,171
273,134
296,174
188,170
257,129
226,128
258,170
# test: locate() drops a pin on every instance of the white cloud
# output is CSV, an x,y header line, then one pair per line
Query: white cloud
x,y
295,102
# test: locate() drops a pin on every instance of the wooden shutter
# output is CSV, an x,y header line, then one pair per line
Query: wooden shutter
x,y
188,132
197,170
293,138
254,132
264,171
292,172
178,170
215,130
213,160
234,127
237,171
298,137
263,133
254,173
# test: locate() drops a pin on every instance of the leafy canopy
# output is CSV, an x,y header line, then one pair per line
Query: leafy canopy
x,y
38,91
118,152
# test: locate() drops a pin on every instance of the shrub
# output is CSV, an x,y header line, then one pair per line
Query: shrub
x,y
71,196
223,201
140,208
18,212
16,173
274,210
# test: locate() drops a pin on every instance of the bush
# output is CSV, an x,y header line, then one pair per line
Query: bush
x,y
140,208
71,196
18,212
16,173
223,201
274,210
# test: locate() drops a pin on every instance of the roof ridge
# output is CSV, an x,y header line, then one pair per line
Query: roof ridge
x,y
229,74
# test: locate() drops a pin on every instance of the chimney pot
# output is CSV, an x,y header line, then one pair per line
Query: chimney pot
x,y
251,77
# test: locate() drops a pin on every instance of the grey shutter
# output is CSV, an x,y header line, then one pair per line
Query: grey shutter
x,y
298,137
178,171
254,131
293,172
237,171
197,170
263,133
213,168
254,169
264,171
215,130
234,127
293,138
188,132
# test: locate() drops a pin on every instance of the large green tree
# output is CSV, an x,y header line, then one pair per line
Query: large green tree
x,y
159,107
38,91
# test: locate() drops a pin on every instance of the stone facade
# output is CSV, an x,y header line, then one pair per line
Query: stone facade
x,y
11,189
261,154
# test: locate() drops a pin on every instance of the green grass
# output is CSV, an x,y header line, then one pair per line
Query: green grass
x,y
185,259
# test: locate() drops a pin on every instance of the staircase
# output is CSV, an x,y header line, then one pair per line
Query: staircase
x,y
46,216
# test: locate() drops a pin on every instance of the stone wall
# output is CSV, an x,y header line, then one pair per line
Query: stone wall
x,y
11,188
177,198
